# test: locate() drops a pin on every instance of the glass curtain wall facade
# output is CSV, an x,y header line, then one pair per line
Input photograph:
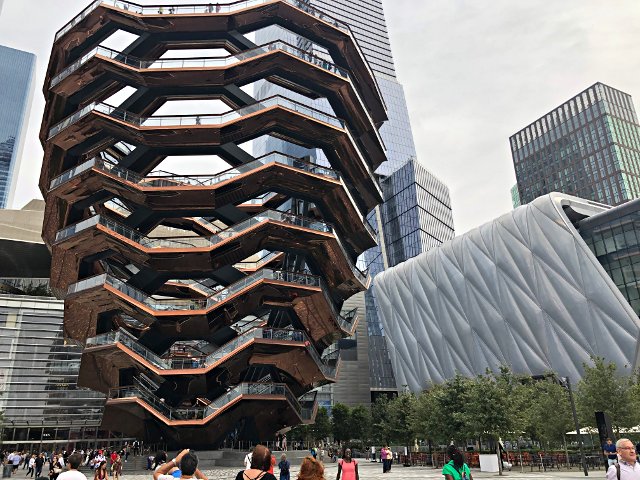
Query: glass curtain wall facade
x,y
41,402
16,75
588,147
405,219
614,239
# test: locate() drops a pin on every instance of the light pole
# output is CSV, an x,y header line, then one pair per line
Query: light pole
x,y
567,384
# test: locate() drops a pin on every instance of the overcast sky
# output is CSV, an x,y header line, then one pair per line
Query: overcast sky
x,y
474,72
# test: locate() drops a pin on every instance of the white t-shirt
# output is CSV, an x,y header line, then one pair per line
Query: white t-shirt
x,y
72,475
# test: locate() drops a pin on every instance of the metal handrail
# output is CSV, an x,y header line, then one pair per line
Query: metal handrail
x,y
195,120
202,413
193,304
192,9
221,236
202,62
176,362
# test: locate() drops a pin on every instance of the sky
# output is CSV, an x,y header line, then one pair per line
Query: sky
x,y
474,73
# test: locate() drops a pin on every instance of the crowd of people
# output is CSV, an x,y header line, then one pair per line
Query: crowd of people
x,y
260,464
106,464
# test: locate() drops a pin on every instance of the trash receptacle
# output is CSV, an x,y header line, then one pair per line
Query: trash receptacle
x,y
6,471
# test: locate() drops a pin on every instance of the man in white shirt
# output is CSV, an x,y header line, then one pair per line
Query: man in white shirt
x,y
247,460
627,468
73,463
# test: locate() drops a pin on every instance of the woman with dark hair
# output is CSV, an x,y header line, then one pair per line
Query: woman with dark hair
x,y
311,469
101,472
260,465
160,458
347,467
456,469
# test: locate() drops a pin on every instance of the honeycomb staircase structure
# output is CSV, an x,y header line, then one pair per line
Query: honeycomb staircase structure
x,y
206,303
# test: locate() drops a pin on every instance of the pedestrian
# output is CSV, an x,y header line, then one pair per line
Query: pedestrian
x,y
260,465
273,463
347,467
456,469
383,459
627,468
73,464
39,464
116,468
311,469
15,461
247,460
101,472
609,451
285,467
32,466
159,459
284,442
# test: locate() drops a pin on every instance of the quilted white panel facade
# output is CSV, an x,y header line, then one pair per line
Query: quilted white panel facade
x,y
523,290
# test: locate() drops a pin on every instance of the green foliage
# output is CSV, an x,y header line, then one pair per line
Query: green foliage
x,y
360,423
602,388
321,429
550,412
341,422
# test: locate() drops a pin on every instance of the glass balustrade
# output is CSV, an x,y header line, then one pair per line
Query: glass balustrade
x,y
208,62
224,8
196,120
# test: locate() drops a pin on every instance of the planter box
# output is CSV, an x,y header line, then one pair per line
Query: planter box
x,y
489,462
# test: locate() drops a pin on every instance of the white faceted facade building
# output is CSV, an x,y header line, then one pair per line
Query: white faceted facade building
x,y
523,291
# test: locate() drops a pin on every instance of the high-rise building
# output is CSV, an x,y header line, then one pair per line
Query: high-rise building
x,y
207,304
16,75
588,147
410,190
41,401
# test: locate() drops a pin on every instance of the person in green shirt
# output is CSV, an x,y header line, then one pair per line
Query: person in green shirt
x,y
456,469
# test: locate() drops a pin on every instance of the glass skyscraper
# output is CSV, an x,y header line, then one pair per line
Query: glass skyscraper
x,y
588,147
16,74
416,215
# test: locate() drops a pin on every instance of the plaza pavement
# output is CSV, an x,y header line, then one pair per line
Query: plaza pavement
x,y
373,471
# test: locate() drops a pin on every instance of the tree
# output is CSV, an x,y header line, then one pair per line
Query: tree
x,y
400,428
380,420
550,412
340,422
360,422
603,389
321,429
486,413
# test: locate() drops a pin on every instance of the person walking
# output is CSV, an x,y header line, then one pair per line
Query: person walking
x,y
285,468
627,468
284,442
610,452
347,467
456,469
116,468
31,467
39,463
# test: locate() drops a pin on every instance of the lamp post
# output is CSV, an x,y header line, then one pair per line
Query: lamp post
x,y
565,382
